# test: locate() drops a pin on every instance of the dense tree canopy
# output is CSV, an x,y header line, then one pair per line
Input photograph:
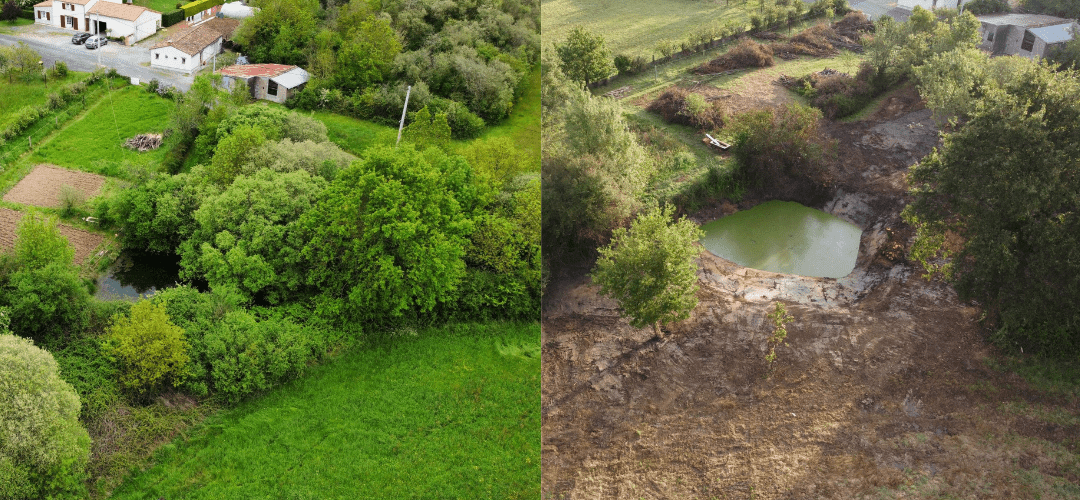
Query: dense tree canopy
x,y
584,57
650,268
1007,182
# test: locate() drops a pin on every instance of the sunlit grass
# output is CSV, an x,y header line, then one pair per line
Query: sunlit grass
x,y
450,412
18,94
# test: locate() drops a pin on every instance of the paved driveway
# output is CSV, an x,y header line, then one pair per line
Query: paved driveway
x,y
54,44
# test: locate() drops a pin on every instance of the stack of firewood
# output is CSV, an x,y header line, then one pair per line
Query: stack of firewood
x,y
144,142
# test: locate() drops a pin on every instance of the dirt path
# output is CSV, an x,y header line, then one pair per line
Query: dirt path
x,y
881,392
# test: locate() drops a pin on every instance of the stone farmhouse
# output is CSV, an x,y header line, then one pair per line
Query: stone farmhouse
x,y
194,47
272,82
106,17
1028,35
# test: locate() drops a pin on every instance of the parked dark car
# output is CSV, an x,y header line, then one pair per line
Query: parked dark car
x,y
96,41
80,38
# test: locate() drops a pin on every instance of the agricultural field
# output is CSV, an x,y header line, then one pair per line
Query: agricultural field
x,y
46,185
93,142
635,27
84,242
450,412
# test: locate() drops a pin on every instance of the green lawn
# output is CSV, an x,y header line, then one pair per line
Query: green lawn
x,y
94,142
635,26
161,6
446,413
18,94
355,135
523,124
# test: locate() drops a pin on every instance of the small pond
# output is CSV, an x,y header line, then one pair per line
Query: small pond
x,y
138,273
785,237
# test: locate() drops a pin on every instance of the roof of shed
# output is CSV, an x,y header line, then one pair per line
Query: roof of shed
x,y
119,10
46,3
192,40
292,78
1024,20
250,70
1054,34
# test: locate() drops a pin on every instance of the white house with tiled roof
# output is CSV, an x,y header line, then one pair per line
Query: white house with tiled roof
x,y
99,17
193,48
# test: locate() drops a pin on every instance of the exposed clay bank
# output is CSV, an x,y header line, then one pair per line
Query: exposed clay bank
x,y
785,237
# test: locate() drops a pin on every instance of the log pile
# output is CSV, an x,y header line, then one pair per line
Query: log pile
x,y
619,93
144,142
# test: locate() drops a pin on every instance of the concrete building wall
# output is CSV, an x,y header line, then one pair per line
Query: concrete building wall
x,y
171,58
43,15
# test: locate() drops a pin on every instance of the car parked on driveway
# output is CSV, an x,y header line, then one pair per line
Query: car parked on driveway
x,y
96,41
80,38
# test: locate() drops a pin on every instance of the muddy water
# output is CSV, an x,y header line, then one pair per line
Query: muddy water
x,y
137,274
785,237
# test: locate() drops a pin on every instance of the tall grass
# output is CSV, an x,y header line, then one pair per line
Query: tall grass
x,y
95,141
523,125
353,134
18,94
450,412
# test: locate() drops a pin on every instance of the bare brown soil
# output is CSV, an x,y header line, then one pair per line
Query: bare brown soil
x,y
43,186
882,390
85,242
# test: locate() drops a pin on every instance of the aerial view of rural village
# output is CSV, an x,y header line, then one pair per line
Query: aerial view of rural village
x,y
811,249
292,249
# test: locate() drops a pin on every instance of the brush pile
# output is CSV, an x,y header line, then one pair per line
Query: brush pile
x,y
144,142
747,54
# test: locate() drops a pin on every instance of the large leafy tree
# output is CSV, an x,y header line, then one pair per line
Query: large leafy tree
x,y
1007,183
388,236
584,57
43,447
650,269
280,32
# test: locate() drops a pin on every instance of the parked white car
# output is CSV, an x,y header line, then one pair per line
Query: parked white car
x,y
96,41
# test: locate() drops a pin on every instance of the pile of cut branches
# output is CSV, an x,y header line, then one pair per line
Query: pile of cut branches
x,y
144,142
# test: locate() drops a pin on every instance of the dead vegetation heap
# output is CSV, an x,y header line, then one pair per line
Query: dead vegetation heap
x,y
143,142
682,106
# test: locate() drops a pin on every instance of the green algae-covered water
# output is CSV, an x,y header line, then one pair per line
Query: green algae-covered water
x,y
785,237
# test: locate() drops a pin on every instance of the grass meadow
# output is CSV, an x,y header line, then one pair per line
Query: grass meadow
x,y
162,6
450,412
523,124
18,94
355,135
93,141
634,27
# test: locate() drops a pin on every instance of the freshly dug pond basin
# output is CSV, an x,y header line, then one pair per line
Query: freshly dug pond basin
x,y
785,237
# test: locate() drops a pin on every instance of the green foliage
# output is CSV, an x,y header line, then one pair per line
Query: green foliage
x,y
149,349
388,235
9,11
784,142
357,53
1061,8
19,61
1005,184
233,152
157,214
462,423
323,159
650,268
43,291
1067,56
953,82
779,318
980,7
583,56
426,130
897,48
171,18
593,171
497,160
192,8
279,32
43,447
88,369
248,237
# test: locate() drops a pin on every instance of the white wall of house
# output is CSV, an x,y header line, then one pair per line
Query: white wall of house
x,y
69,15
145,26
932,4
43,15
172,58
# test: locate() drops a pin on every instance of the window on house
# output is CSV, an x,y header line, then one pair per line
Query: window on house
x,y
1029,41
39,14
271,88
990,36
183,60
157,56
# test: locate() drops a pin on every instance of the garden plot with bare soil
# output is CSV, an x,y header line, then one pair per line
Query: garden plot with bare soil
x,y
85,242
883,389
45,185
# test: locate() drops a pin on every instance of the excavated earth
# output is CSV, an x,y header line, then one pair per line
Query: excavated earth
x,y
883,389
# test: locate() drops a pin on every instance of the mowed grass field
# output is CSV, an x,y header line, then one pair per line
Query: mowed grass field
x,y
355,135
161,6
452,412
634,27
94,142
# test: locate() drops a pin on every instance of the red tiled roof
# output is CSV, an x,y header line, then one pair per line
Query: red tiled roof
x,y
192,40
118,10
46,3
250,70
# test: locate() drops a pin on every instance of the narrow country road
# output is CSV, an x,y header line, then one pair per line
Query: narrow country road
x,y
55,45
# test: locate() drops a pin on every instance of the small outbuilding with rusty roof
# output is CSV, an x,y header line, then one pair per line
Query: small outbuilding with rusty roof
x,y
194,47
272,82
1027,35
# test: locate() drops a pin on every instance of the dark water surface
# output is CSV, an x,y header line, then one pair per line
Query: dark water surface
x,y
138,273
785,237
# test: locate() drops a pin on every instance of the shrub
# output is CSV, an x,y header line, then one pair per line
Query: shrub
x,y
677,105
60,69
70,199
770,145
152,85
149,349
622,64
43,447
747,54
